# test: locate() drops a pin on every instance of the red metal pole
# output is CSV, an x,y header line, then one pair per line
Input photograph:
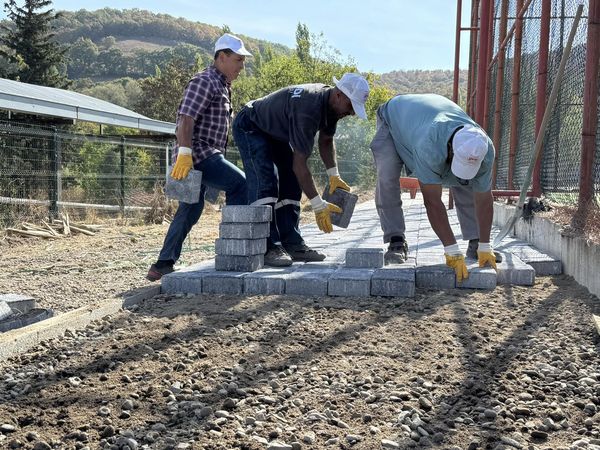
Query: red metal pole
x,y
457,52
456,72
488,72
482,58
514,107
590,105
499,87
542,79
472,57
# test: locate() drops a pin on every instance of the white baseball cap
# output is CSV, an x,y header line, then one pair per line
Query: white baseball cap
x,y
356,89
233,43
470,145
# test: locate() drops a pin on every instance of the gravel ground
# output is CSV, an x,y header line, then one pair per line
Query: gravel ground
x,y
68,273
513,368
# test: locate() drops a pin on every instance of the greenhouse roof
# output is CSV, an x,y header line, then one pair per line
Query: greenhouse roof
x,y
41,100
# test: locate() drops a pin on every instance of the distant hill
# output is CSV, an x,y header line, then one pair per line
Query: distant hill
x,y
111,43
110,49
425,81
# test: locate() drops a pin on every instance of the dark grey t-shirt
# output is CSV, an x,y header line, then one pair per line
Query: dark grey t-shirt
x,y
294,114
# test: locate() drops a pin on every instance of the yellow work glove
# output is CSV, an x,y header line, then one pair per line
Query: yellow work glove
x,y
323,212
456,260
335,181
486,256
183,164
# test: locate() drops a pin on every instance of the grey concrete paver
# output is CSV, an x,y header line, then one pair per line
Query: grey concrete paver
x,y
425,269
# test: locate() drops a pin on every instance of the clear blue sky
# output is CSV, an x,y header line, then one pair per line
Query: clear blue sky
x,y
380,35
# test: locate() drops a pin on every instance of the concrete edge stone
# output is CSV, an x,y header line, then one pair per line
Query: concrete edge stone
x,y
596,320
22,339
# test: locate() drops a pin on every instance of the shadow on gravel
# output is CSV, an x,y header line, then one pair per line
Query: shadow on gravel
x,y
217,313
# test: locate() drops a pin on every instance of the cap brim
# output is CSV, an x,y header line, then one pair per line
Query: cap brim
x,y
359,109
242,51
462,170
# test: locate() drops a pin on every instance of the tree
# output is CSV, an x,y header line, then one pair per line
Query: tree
x,y
30,40
162,93
303,44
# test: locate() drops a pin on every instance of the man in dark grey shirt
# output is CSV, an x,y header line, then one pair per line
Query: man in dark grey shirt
x,y
275,136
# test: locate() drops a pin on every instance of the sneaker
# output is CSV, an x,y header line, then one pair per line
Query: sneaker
x,y
472,251
397,251
302,252
155,273
277,257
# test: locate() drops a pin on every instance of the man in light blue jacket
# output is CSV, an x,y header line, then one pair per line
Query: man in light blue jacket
x,y
441,146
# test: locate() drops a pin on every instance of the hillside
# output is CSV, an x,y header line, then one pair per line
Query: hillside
x,y
110,50
111,43
424,81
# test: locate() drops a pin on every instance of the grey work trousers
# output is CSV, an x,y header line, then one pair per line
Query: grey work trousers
x,y
388,195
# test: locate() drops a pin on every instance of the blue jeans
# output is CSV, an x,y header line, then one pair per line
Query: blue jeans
x,y
268,164
217,173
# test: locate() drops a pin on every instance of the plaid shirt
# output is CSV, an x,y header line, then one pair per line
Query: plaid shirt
x,y
207,99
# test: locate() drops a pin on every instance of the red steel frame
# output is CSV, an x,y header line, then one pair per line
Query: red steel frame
x,y
499,87
481,63
514,107
590,106
542,80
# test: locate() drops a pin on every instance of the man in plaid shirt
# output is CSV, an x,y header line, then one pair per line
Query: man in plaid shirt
x,y
203,121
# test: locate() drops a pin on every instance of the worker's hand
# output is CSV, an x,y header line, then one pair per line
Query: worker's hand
x,y
457,262
183,164
335,181
486,256
323,212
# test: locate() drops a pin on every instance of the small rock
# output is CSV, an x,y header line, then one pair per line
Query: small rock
x,y
386,443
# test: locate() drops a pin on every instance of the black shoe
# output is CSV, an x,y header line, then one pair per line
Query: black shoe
x,y
302,252
156,273
472,251
276,256
397,251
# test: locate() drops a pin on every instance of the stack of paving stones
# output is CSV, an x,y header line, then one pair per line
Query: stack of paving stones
x,y
354,263
18,311
242,241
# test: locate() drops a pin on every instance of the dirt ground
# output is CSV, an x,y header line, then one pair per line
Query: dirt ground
x,y
513,368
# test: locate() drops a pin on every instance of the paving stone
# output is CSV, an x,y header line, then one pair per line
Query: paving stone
x,y
436,276
396,280
364,257
241,247
345,200
267,281
245,214
239,263
514,271
308,282
5,311
244,230
479,278
18,303
184,283
543,263
223,283
350,282
186,190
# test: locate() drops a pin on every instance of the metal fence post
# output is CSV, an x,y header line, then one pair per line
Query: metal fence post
x,y
542,79
516,88
590,106
471,79
499,87
482,58
122,178
56,180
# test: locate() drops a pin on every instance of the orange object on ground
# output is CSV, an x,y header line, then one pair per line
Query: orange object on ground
x,y
410,183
